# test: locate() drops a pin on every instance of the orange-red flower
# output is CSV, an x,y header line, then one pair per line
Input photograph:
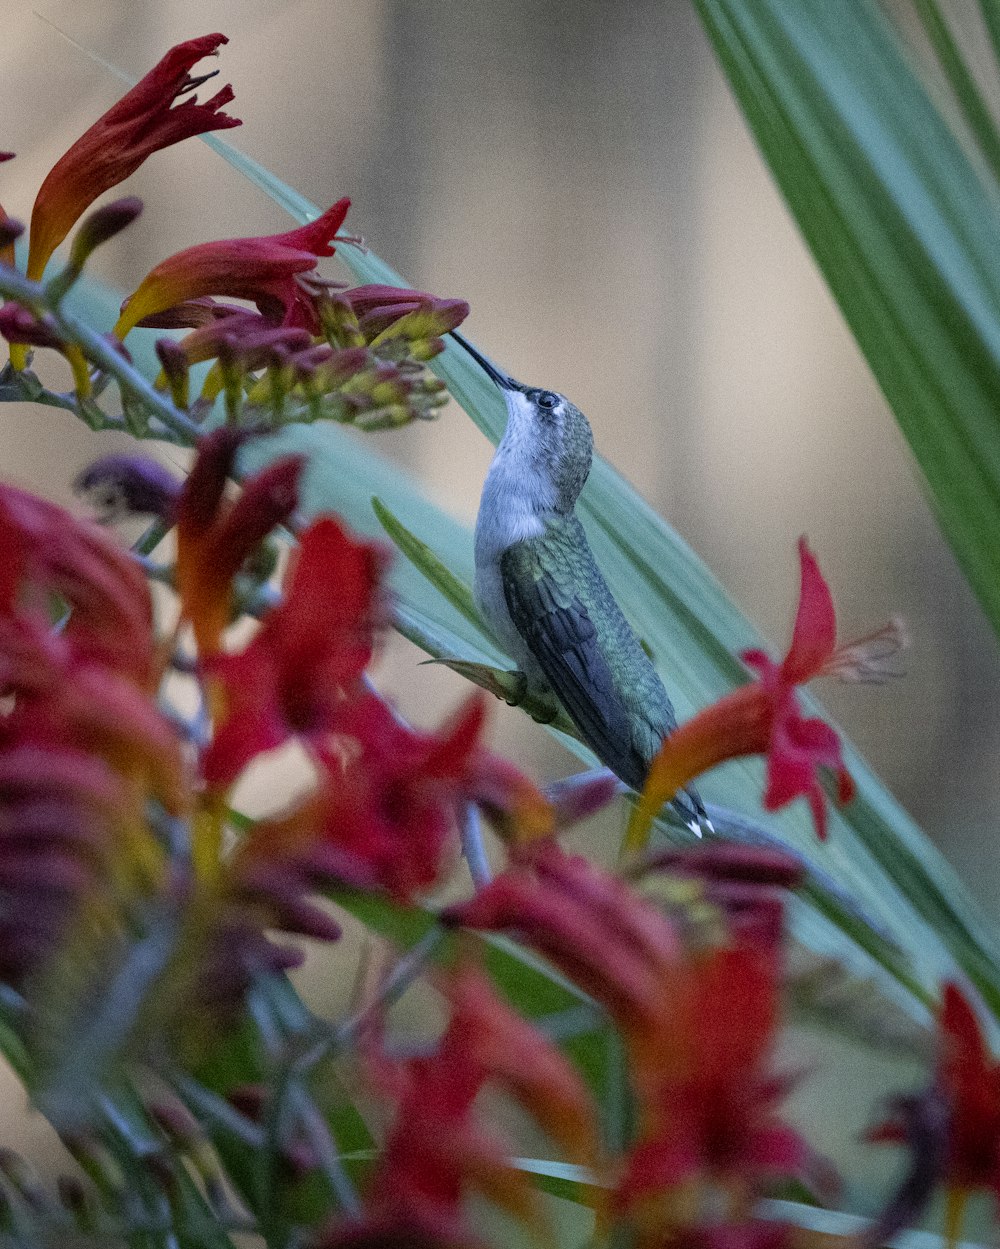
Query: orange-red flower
x,y
389,797
764,717
970,1081
263,270
437,1151
698,1027
290,679
142,122
214,538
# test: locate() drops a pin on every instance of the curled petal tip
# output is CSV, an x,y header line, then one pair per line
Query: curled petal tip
x,y
145,120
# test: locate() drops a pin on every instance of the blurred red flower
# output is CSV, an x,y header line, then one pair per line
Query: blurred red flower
x,y
215,537
698,1027
436,1151
290,680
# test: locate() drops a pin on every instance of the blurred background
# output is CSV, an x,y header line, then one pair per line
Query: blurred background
x,y
578,171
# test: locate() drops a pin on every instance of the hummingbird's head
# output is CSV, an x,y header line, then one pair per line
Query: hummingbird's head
x,y
547,433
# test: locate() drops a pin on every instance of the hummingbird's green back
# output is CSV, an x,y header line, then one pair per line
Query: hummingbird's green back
x,y
561,605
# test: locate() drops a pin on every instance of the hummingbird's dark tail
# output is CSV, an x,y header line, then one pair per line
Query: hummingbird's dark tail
x,y
691,809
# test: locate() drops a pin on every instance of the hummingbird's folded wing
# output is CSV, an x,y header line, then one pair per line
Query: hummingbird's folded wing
x,y
561,606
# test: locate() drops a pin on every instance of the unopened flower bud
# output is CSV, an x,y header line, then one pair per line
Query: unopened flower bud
x,y
174,362
10,231
102,225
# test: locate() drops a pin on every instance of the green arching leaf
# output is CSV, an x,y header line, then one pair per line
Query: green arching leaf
x,y
840,1223
434,569
562,1179
531,984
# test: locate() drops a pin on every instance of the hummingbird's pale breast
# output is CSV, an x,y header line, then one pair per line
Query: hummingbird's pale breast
x,y
515,498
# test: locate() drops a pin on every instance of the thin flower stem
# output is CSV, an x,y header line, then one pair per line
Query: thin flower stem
x,y
558,790
293,1105
471,831
393,986
33,295
216,1109
320,1137
13,390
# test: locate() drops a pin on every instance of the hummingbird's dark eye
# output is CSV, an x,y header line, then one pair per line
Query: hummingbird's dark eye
x,y
547,400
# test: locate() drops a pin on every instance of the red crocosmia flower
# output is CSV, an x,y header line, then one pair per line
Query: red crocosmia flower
x,y
263,270
970,1081
390,796
83,745
698,1026
707,1099
764,717
65,701
290,679
48,552
597,930
215,538
141,123
952,1128
436,1151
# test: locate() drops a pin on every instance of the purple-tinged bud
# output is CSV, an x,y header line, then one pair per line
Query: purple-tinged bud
x,y
305,363
175,1120
192,314
726,861
10,231
129,485
102,225
18,325
174,362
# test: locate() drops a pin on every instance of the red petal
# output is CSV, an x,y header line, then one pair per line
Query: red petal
x,y
814,638
142,122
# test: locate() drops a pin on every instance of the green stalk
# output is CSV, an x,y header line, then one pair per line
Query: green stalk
x,y
96,348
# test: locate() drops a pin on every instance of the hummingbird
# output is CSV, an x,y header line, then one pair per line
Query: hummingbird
x,y
541,592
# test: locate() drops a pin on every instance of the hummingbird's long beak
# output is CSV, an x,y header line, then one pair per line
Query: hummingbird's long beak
x,y
502,379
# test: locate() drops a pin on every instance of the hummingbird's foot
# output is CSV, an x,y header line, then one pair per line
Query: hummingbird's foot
x,y
517,688
537,700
